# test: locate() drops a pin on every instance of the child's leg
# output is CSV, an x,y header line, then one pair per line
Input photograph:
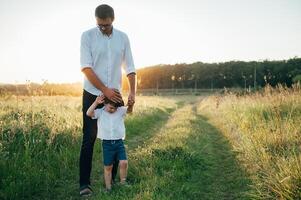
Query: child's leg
x,y
108,176
123,164
108,157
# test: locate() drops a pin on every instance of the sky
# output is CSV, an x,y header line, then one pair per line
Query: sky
x,y
40,40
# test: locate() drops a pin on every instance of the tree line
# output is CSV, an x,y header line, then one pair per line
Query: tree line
x,y
233,74
219,75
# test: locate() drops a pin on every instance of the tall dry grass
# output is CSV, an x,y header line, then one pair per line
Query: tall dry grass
x,y
265,130
40,139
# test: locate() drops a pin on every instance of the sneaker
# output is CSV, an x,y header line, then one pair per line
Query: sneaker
x,y
113,182
106,190
124,183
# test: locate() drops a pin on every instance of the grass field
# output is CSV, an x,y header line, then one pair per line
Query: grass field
x,y
265,130
179,147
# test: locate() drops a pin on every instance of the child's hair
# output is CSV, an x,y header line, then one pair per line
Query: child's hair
x,y
116,105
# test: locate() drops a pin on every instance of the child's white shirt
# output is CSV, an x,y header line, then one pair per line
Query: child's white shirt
x,y
110,126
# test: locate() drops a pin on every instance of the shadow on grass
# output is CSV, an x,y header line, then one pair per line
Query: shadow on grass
x,y
204,168
142,127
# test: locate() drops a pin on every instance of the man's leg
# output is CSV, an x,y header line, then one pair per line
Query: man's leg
x,y
89,136
115,168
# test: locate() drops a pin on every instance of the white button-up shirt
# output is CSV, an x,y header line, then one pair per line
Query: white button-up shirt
x,y
110,126
106,55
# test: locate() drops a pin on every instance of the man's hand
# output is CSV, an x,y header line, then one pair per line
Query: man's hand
x,y
113,95
131,99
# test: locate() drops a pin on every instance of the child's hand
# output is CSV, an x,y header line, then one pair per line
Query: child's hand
x,y
100,99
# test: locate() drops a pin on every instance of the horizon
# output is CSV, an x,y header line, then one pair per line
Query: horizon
x,y
44,45
157,65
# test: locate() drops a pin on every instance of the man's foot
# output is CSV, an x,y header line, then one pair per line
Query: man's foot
x,y
113,182
85,191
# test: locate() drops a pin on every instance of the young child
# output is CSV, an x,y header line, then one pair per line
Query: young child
x,y
111,130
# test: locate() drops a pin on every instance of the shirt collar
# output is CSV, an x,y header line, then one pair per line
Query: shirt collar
x,y
103,34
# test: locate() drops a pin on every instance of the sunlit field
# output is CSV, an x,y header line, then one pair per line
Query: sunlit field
x,y
41,136
265,130
223,146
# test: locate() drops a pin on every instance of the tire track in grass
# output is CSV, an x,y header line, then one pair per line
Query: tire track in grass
x,y
222,177
187,159
181,157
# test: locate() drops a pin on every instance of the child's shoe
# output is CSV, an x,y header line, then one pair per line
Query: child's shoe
x,y
124,183
106,190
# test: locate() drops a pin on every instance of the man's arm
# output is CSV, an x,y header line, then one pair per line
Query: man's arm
x,y
130,71
92,77
133,86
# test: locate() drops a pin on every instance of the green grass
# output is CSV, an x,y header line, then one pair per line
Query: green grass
x,y
40,142
264,128
186,159
174,152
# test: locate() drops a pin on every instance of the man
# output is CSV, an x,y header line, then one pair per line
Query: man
x,y
104,50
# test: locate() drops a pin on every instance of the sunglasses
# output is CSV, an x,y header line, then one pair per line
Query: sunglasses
x,y
104,26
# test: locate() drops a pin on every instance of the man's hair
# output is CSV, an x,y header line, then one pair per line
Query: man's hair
x,y
104,11
116,105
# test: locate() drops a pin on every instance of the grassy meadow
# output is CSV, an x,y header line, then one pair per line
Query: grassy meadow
x,y
265,130
179,147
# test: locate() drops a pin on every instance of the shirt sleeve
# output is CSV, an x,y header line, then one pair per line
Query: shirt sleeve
x,y
123,110
85,52
128,58
97,113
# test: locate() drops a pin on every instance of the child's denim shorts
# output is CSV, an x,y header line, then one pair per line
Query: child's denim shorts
x,y
113,149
